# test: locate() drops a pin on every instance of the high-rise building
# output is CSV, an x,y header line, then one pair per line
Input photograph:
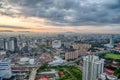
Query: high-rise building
x,y
92,67
11,44
2,44
5,68
111,40
71,55
81,47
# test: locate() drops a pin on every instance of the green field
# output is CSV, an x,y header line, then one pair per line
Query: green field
x,y
112,56
70,72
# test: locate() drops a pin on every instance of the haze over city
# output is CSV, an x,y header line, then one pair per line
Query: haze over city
x,y
80,16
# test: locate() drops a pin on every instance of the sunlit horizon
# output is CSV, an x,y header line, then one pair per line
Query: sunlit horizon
x,y
59,18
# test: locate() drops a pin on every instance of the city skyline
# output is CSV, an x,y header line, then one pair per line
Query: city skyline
x,y
80,16
60,57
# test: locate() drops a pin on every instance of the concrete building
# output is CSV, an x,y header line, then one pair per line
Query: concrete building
x,y
57,61
81,47
71,55
105,76
46,57
67,44
19,71
2,54
5,68
117,48
92,67
49,43
56,44
111,40
2,44
26,60
11,44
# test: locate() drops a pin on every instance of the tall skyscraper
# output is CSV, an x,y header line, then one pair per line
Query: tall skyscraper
x,y
11,44
2,44
111,40
92,67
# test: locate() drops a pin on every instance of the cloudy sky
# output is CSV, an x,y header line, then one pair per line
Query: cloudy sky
x,y
83,16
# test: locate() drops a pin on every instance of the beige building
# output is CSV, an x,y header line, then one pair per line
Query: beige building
x,y
46,57
81,47
71,55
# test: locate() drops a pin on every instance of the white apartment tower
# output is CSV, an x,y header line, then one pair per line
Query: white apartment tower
x,y
92,67
11,44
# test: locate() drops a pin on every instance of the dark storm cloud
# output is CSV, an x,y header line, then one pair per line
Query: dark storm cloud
x,y
72,12
12,27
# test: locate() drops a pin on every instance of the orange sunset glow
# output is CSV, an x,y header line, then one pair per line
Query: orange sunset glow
x,y
58,17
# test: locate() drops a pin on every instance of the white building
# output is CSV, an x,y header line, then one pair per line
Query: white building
x,y
26,60
56,44
111,43
105,76
5,68
92,67
31,61
2,52
11,44
57,61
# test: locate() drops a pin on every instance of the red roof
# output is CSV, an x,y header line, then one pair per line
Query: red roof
x,y
61,73
109,71
43,78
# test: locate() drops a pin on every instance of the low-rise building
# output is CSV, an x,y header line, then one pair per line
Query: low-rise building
x,y
46,57
57,61
105,76
48,75
26,60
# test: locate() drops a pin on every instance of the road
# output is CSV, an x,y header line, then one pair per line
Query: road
x,y
33,74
